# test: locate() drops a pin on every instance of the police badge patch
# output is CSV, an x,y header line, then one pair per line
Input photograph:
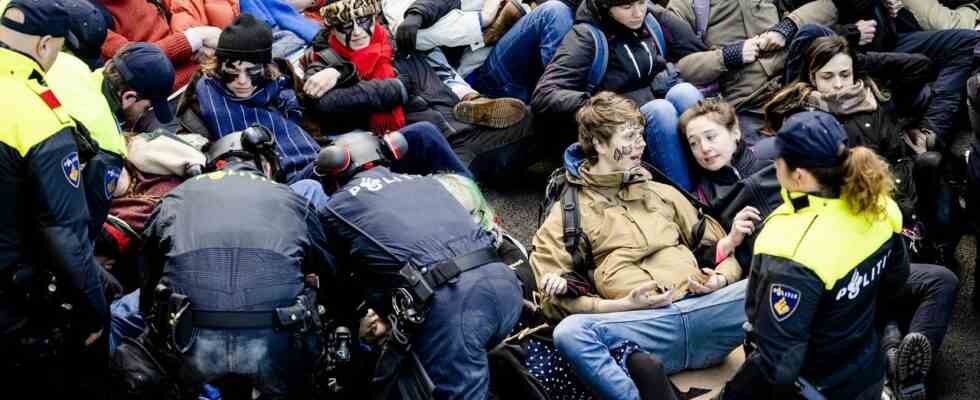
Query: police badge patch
x,y
69,165
111,180
783,301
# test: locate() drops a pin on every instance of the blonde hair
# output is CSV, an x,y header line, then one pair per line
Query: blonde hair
x,y
862,180
602,116
713,108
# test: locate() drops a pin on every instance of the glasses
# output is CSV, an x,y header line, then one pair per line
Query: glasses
x,y
366,23
229,73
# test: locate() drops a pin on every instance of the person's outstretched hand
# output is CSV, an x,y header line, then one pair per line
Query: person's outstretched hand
x,y
647,296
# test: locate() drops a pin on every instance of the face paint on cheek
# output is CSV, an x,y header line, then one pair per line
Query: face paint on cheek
x,y
622,152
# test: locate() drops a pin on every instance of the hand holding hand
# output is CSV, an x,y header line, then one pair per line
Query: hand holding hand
x,y
771,41
554,285
647,296
708,282
321,82
750,50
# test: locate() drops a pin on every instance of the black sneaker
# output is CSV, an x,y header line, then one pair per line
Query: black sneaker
x,y
912,359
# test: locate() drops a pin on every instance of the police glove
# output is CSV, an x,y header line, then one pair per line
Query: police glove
x,y
408,32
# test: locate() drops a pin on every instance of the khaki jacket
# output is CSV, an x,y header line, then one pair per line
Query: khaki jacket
x,y
933,16
639,230
733,21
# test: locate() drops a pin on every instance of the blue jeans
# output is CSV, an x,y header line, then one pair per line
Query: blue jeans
x,y
511,70
428,152
275,362
467,319
312,191
696,332
126,319
664,148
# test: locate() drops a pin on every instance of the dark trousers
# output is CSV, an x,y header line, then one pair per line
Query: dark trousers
x,y
925,303
951,52
468,318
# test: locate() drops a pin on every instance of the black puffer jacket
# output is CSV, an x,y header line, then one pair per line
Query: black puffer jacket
x,y
633,62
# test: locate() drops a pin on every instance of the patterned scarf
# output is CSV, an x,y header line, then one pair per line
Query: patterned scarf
x,y
852,100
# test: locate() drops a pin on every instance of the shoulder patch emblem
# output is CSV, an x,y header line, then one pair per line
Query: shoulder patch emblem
x,y
69,165
783,301
111,180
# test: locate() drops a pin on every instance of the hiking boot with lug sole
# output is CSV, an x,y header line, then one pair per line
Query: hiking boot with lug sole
x,y
912,360
493,113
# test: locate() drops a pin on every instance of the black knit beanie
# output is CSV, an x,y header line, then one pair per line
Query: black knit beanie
x,y
246,39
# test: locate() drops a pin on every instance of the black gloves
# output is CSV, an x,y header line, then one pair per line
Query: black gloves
x,y
408,31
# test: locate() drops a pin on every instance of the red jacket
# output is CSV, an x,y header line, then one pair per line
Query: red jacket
x,y
143,21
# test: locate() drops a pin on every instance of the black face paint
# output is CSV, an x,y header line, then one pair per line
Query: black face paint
x,y
229,73
622,152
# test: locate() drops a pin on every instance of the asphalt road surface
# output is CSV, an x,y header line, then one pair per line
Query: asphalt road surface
x,y
956,371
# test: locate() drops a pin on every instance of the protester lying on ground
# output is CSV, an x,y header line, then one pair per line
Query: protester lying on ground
x,y
471,300
647,256
146,21
746,50
635,56
386,93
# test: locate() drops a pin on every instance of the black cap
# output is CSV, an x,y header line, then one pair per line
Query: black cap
x,y
86,32
246,39
41,17
812,139
149,72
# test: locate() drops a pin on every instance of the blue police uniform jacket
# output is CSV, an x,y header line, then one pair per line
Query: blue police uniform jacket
x,y
414,217
233,240
818,274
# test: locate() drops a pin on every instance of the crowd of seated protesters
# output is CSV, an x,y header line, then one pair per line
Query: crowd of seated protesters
x,y
664,114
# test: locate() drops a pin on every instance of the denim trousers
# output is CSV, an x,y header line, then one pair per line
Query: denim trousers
x,y
468,318
511,70
696,332
664,147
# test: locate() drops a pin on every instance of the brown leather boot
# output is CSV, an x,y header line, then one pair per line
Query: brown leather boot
x,y
508,15
494,113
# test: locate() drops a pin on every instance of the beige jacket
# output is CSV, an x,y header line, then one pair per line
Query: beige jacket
x,y
733,21
640,231
933,16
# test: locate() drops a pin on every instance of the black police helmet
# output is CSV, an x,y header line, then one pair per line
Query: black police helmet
x,y
253,144
358,151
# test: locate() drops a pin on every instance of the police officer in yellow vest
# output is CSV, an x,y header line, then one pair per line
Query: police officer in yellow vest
x,y
821,263
44,248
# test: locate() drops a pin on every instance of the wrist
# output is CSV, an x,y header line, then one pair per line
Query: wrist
x,y
194,39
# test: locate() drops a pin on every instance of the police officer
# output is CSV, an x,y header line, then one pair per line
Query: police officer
x,y
456,299
230,250
821,263
46,265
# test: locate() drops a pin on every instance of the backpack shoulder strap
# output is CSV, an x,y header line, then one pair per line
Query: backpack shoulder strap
x,y
599,61
702,10
572,233
653,26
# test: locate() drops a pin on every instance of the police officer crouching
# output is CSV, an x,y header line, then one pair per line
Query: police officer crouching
x,y
228,254
822,262
425,266
51,301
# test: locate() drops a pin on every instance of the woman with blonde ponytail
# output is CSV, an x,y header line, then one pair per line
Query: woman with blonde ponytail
x,y
819,265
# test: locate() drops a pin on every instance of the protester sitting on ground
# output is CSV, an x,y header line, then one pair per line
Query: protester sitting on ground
x,y
746,50
897,30
635,57
833,78
387,93
291,30
738,187
186,14
648,260
146,21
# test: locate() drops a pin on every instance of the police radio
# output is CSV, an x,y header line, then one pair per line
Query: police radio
x,y
358,151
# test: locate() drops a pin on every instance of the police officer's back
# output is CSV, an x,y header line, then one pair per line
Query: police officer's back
x,y
819,266
238,245
388,224
43,220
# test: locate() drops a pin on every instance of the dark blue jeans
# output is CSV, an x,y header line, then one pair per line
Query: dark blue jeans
x,y
925,302
511,70
952,53
468,318
664,148
276,364
428,152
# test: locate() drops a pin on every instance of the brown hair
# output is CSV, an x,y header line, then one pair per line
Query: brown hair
x,y
601,117
862,180
714,108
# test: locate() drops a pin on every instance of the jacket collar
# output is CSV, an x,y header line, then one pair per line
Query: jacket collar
x,y
808,202
20,65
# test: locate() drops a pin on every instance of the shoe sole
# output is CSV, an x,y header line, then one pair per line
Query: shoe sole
x,y
495,113
913,359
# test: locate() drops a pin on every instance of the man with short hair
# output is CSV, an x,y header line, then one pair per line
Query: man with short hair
x,y
51,298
